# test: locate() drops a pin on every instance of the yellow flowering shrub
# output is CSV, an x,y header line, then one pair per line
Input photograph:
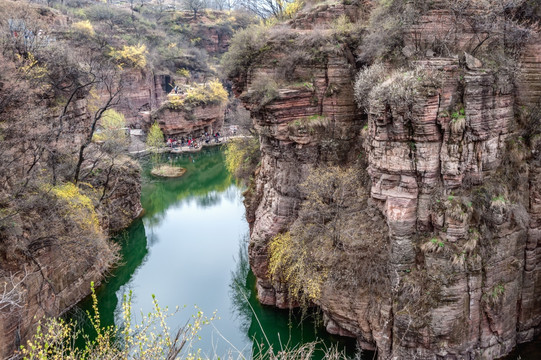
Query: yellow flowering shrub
x,y
242,156
183,72
132,56
30,67
148,338
210,93
292,8
84,27
78,206
290,263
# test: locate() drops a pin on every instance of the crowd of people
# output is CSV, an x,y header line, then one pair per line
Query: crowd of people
x,y
193,142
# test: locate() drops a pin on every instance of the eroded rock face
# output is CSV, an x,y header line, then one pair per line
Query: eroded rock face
x,y
143,93
459,198
52,284
194,120
52,265
122,200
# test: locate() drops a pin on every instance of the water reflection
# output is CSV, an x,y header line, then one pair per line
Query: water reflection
x,y
211,199
526,351
205,178
239,288
271,327
185,250
133,250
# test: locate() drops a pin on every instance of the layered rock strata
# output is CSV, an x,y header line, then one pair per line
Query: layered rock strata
x,y
190,120
143,93
455,183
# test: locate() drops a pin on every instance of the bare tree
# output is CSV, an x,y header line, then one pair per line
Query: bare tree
x,y
194,5
110,84
222,4
12,294
265,8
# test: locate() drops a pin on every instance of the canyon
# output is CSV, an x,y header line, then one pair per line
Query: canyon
x,y
400,156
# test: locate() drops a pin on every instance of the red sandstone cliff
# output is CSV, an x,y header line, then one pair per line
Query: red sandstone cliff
x,y
458,192
190,121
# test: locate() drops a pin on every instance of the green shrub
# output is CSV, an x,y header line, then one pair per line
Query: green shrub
x,y
433,245
112,125
263,91
245,47
460,114
499,199
155,140
495,294
112,132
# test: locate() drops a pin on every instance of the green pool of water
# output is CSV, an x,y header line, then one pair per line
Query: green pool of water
x,y
189,249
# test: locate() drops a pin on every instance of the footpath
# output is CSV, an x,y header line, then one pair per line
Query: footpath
x,y
186,149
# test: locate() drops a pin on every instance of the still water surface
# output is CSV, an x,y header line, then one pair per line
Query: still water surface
x,y
189,249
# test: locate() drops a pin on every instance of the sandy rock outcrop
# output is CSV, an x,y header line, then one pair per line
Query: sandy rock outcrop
x,y
190,120
143,93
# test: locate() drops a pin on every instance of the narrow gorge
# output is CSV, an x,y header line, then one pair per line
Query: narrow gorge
x,y
387,154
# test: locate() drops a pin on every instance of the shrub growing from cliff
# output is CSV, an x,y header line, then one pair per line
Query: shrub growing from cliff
x,y
242,156
337,241
376,90
263,91
244,49
78,208
64,217
131,56
212,93
389,21
365,82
